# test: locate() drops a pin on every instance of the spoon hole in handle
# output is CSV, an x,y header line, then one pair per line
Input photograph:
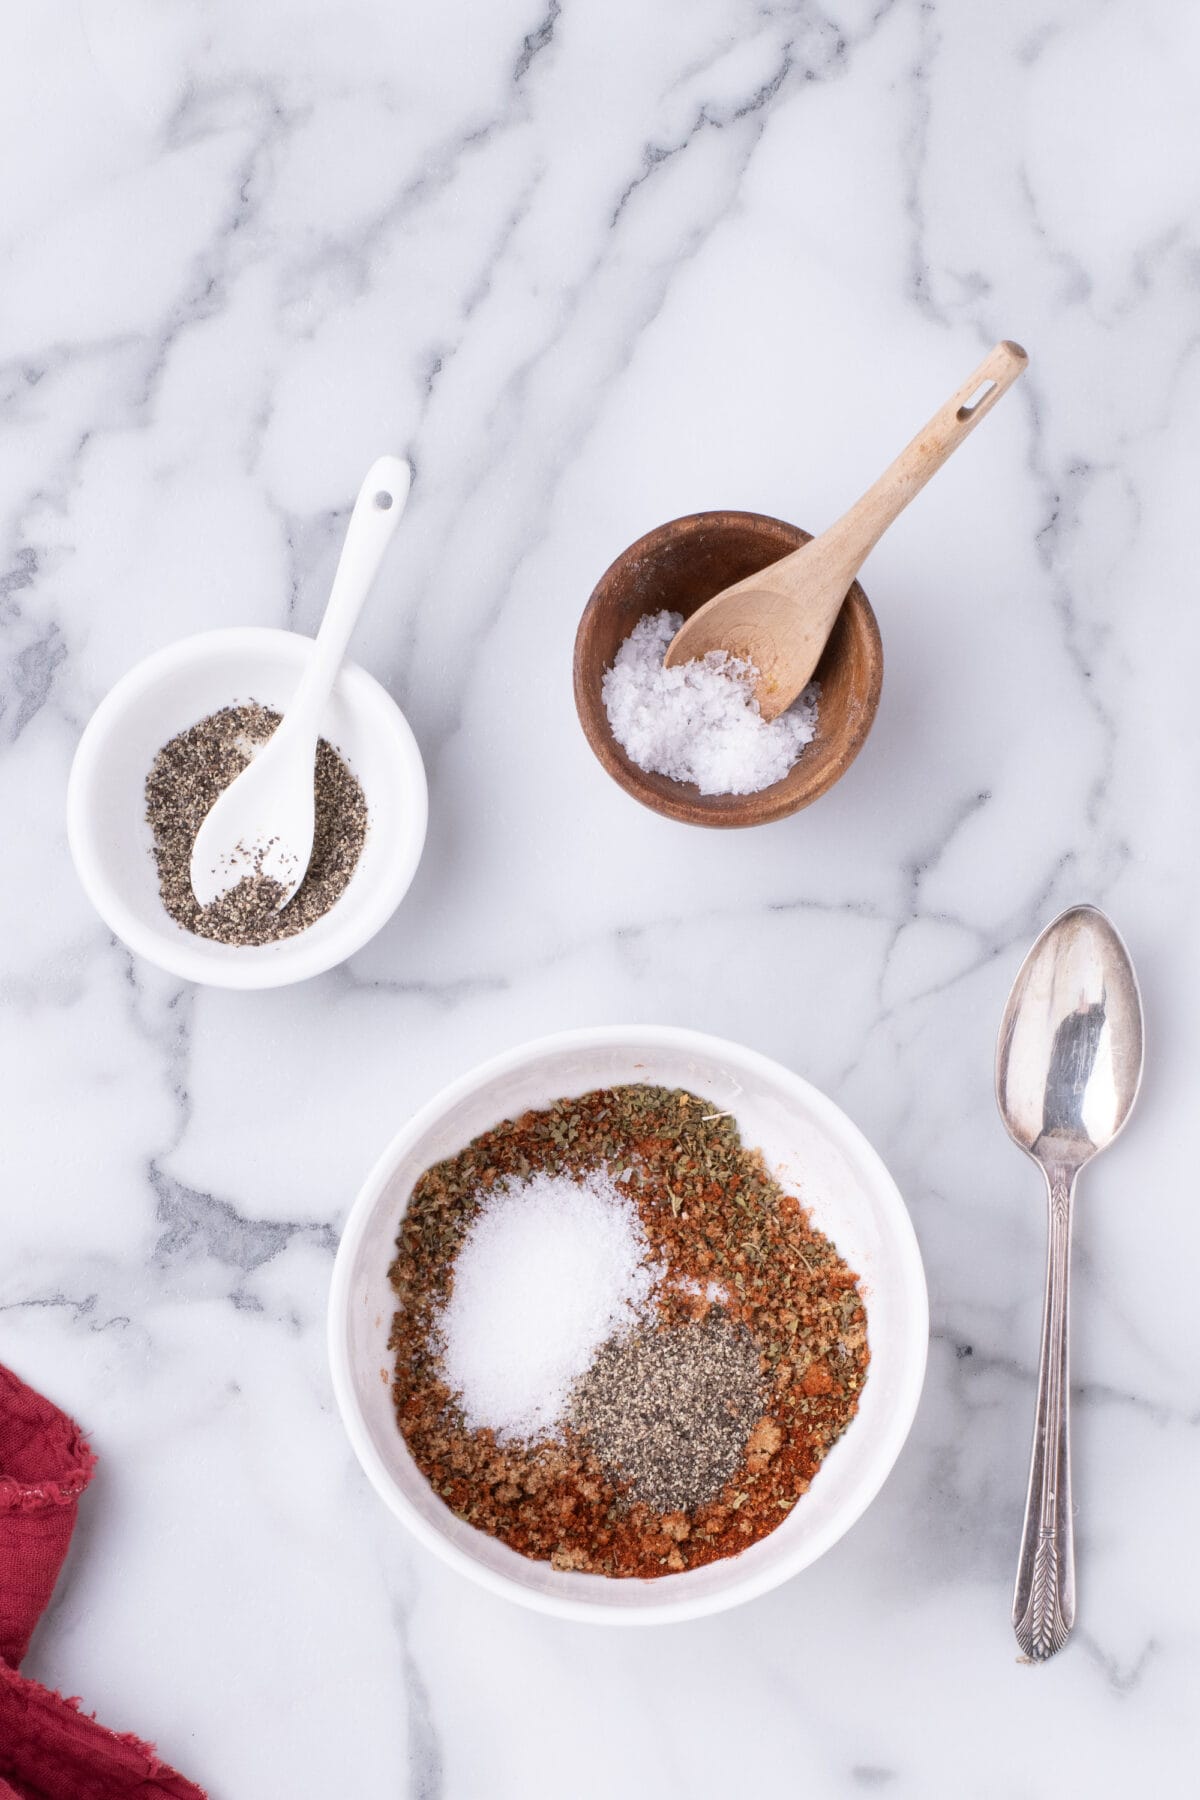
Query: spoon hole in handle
x,y
977,399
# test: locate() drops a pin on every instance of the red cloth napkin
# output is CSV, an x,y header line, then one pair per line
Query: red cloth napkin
x,y
49,1750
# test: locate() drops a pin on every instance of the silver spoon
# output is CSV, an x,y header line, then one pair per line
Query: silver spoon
x,y
1068,1068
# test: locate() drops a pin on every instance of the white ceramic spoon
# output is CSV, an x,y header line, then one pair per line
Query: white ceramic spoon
x,y
263,822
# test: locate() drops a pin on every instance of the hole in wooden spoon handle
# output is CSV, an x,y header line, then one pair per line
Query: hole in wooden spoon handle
x,y
976,400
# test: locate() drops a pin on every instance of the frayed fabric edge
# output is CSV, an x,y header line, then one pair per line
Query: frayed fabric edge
x,y
38,1703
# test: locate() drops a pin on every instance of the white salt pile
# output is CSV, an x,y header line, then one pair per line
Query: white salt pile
x,y
700,721
551,1268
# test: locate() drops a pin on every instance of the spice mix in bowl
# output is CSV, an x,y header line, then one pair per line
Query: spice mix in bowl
x,y
629,1324
620,1345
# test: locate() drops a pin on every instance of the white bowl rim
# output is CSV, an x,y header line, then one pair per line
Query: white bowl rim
x,y
889,1442
293,959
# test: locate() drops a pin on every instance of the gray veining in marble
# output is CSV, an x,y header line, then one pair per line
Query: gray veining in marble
x,y
592,266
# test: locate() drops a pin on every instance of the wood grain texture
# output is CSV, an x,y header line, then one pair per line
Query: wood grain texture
x,y
679,566
780,618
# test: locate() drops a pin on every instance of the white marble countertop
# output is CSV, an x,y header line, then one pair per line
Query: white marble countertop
x,y
593,266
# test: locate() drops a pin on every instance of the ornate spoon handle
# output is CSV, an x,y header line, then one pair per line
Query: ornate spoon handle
x,y
1044,1602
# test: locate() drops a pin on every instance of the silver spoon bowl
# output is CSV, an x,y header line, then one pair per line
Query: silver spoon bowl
x,y
1068,1068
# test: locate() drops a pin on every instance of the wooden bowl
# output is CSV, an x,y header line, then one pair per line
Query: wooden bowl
x,y
679,566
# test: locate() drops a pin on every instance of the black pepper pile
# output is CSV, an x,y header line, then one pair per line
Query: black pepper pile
x,y
668,1412
185,779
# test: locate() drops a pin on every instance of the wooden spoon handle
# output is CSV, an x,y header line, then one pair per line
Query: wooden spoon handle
x,y
848,542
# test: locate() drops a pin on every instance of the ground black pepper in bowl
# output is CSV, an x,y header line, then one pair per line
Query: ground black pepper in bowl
x,y
185,779
669,1413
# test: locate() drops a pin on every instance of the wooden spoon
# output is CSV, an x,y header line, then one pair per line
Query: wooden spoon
x,y
780,619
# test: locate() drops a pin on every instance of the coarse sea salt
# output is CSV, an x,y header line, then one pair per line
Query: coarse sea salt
x,y
700,720
551,1268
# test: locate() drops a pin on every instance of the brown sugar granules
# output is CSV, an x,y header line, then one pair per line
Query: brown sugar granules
x,y
744,1266
185,779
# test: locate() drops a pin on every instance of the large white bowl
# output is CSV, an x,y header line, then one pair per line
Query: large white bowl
x,y
106,801
812,1148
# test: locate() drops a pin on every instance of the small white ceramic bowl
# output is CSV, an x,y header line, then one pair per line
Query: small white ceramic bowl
x,y
813,1149
106,803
